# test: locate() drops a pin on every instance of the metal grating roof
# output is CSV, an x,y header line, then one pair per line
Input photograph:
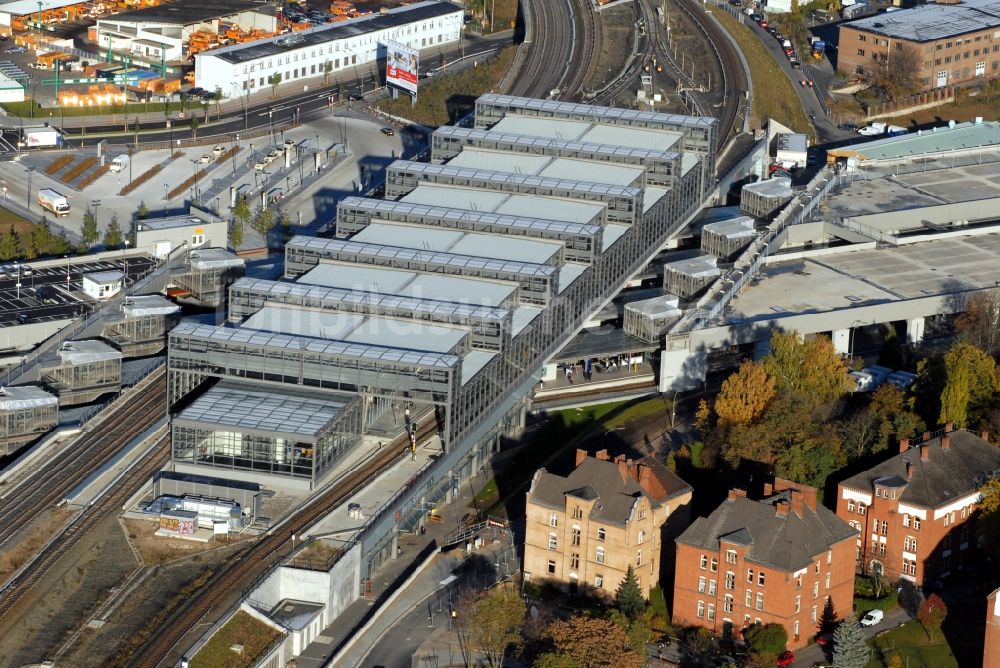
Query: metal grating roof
x,y
20,397
932,22
575,110
547,142
396,252
518,179
325,294
389,207
314,345
273,410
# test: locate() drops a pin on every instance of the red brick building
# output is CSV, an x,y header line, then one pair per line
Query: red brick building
x,y
991,649
913,510
776,560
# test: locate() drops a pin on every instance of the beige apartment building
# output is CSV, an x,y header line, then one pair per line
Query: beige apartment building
x,y
584,530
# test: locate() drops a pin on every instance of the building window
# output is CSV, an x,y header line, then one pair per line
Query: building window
x,y
827,582
881,549
638,558
577,513
701,609
812,615
601,533
862,509
642,513
553,542
576,536
197,239
748,600
599,581
731,556
750,575
553,520
730,580
711,612
552,567
861,52
760,579
798,604
760,600
727,603
980,68
885,527
711,588
909,567
910,544
704,562
816,568
795,629
600,555
574,561
642,535
701,584
851,507
862,38
906,520
829,557
916,524
815,589
715,565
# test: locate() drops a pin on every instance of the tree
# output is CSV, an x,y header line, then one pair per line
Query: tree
x,y
767,639
42,237
745,394
89,231
849,647
242,210
60,244
236,234
979,323
113,234
555,660
896,416
810,370
988,517
194,126
327,68
970,382
932,614
28,249
629,598
218,101
495,623
10,245
274,80
897,75
263,222
859,432
142,211
594,643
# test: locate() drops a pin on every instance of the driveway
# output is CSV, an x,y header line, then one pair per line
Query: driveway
x,y
813,654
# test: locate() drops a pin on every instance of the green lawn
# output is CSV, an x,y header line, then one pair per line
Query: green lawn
x,y
773,94
865,601
910,642
242,629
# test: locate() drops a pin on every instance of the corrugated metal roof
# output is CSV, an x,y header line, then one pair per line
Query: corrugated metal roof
x,y
932,22
962,136
84,352
20,397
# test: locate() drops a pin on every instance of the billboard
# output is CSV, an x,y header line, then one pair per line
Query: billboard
x,y
401,67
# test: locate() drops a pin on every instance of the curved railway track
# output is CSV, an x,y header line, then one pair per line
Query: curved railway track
x,y
263,554
59,476
561,48
17,587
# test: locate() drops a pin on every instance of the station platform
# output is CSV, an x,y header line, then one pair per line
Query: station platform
x,y
602,342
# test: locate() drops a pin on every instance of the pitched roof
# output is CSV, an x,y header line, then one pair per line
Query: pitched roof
x,y
786,542
945,476
611,484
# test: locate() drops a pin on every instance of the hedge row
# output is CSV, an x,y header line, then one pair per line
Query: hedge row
x,y
94,175
79,169
142,178
58,164
187,183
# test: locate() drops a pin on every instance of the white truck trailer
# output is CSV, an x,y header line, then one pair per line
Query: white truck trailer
x,y
42,137
54,202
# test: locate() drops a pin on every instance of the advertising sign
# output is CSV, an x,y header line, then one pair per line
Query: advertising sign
x,y
401,67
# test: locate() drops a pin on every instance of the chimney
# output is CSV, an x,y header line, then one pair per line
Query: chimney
x,y
909,470
581,455
737,494
985,436
645,478
809,495
797,503
904,444
768,489
925,452
945,442
926,437
623,466
602,455
620,459
949,427
781,509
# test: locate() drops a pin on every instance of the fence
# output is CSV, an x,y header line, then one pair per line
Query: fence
x,y
206,140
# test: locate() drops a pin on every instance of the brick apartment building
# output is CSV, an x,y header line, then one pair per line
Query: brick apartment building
x,y
913,510
773,560
950,43
583,531
991,648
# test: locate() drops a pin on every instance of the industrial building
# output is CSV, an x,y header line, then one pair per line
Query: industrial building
x,y
26,412
442,297
164,32
85,371
195,230
141,327
948,43
345,45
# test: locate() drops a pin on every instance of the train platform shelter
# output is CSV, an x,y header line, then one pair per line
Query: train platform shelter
x,y
141,327
85,370
26,413
207,276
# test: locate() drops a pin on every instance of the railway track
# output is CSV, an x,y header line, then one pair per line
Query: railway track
x,y
561,47
57,477
17,587
266,552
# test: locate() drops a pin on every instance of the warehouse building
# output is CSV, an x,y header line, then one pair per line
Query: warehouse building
x,y
343,45
443,298
948,43
163,32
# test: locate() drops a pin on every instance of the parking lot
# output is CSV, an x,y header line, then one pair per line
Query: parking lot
x,y
54,293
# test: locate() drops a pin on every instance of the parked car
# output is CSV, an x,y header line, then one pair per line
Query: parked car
x,y
195,92
16,49
388,132
872,617
218,150
785,659
205,159
261,165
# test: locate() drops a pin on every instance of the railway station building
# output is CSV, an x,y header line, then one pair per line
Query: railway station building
x,y
84,371
26,413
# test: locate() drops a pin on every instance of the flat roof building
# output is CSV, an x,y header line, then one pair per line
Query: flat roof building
x,y
26,412
141,328
948,43
342,45
194,230
85,371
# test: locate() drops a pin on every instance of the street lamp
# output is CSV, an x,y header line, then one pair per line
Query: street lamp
x,y
164,191
130,147
270,120
17,269
95,203
31,171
